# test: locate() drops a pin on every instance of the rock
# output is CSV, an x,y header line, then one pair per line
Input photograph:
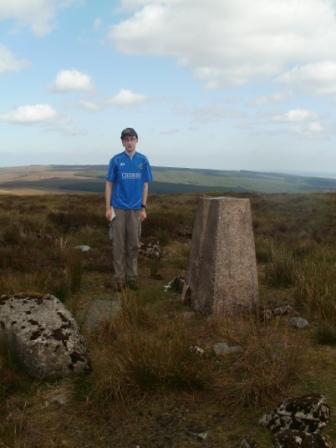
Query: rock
x,y
308,413
100,311
223,348
246,443
43,335
150,249
83,248
298,322
282,309
60,400
175,285
199,435
197,350
222,271
267,313
299,439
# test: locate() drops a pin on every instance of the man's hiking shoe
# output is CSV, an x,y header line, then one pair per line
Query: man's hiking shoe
x,y
118,285
132,284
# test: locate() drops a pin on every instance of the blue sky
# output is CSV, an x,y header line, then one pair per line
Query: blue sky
x,y
223,84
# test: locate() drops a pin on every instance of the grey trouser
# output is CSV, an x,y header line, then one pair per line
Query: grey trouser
x,y
126,229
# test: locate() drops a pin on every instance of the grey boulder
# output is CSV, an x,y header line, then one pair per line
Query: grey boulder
x,y
223,348
300,439
308,413
43,335
298,322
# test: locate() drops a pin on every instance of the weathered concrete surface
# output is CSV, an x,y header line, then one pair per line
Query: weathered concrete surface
x,y
43,335
222,273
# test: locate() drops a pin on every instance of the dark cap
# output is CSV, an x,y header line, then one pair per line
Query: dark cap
x,y
128,132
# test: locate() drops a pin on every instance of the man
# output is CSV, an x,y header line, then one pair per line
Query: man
x,y
126,194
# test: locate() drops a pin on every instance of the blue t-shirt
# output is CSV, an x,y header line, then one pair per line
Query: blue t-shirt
x,y
128,176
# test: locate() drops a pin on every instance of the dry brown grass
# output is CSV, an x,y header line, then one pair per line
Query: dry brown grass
x,y
142,361
267,365
141,352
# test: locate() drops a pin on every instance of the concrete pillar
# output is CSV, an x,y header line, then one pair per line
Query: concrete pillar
x,y
222,273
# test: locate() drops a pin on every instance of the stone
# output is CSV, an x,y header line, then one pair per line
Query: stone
x,y
83,248
270,311
197,350
300,439
222,271
201,436
298,322
100,311
43,335
223,348
176,285
150,249
309,413
247,443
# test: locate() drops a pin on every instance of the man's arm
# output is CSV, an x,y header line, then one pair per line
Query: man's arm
x,y
143,214
108,196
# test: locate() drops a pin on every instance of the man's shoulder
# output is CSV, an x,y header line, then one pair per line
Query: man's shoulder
x,y
141,156
118,156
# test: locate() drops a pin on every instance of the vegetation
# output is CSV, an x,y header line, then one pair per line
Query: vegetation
x,y
149,386
167,180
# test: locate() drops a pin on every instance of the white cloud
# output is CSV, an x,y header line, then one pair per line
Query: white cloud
x,y
65,126
295,116
127,98
272,98
97,24
233,41
319,77
90,105
8,62
38,14
313,129
315,126
71,81
30,114
302,122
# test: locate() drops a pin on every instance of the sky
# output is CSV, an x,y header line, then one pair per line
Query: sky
x,y
222,84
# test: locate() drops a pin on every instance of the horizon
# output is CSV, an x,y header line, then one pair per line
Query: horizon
x,y
319,174
227,100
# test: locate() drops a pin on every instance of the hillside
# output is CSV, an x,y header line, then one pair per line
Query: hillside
x,y
147,388
90,178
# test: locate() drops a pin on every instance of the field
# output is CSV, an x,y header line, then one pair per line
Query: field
x,y
147,388
90,178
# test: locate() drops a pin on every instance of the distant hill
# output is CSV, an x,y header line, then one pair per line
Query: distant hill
x,y
91,178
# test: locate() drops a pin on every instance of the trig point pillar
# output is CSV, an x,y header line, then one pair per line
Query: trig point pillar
x,y
222,273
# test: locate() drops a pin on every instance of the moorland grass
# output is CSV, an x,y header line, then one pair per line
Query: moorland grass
x,y
142,362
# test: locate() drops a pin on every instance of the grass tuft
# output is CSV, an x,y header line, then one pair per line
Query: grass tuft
x,y
139,353
325,334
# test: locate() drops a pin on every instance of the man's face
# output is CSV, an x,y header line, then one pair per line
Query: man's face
x,y
129,143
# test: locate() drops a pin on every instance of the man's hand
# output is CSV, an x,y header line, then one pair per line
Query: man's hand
x,y
109,213
143,214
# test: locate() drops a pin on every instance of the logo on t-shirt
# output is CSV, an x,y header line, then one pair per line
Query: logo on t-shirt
x,y
130,176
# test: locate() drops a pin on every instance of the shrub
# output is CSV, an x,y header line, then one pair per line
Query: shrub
x,y
315,287
267,365
74,270
280,273
325,334
138,353
264,250
13,379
